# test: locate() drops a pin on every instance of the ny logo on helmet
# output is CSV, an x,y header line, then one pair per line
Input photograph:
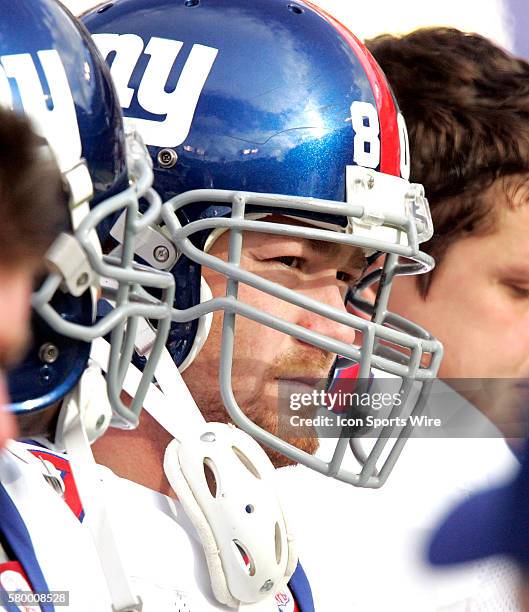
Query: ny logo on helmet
x,y
177,106
53,114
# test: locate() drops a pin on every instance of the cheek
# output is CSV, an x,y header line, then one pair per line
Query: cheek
x,y
255,341
268,304
458,313
510,336
15,292
216,282
496,318
7,422
256,345
465,323
15,298
484,331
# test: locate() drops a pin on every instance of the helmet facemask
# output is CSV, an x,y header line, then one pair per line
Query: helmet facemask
x,y
386,345
288,115
77,265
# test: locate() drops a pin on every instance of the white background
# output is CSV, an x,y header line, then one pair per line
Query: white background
x,y
367,17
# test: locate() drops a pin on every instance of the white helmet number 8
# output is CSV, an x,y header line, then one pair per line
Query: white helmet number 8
x,y
364,119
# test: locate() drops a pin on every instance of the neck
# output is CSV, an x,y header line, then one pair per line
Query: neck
x,y
136,455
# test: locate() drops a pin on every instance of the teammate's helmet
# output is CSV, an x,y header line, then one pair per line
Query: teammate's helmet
x,y
269,106
51,72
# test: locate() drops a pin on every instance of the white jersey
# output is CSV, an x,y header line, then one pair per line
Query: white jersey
x,y
160,550
63,550
364,550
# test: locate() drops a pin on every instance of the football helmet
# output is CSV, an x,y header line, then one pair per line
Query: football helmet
x,y
51,71
267,107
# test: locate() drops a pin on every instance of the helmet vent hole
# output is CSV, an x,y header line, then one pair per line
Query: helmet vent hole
x,y
249,509
191,3
211,476
279,544
105,7
294,8
244,557
246,462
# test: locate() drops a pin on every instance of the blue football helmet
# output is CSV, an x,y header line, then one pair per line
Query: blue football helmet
x,y
51,72
269,107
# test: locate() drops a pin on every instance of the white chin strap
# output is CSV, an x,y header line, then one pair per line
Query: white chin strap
x,y
85,415
238,516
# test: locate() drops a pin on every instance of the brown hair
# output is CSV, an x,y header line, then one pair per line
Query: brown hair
x,y
466,105
33,198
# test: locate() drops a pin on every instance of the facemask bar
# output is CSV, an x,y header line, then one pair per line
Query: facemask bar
x,y
409,369
122,273
380,314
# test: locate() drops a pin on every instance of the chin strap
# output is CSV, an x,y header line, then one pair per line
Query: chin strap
x,y
84,416
225,483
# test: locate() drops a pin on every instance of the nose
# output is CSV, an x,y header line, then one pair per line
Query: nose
x,y
332,296
15,292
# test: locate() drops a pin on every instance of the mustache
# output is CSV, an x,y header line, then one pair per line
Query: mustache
x,y
309,362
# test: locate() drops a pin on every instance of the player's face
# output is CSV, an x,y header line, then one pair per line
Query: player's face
x,y
15,291
264,357
478,303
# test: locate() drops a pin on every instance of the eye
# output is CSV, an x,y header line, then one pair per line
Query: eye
x,y
350,279
289,261
520,292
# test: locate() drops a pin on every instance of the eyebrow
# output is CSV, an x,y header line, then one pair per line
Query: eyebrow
x,y
356,259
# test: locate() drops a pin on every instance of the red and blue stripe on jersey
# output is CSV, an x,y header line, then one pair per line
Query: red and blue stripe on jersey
x,y
71,495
